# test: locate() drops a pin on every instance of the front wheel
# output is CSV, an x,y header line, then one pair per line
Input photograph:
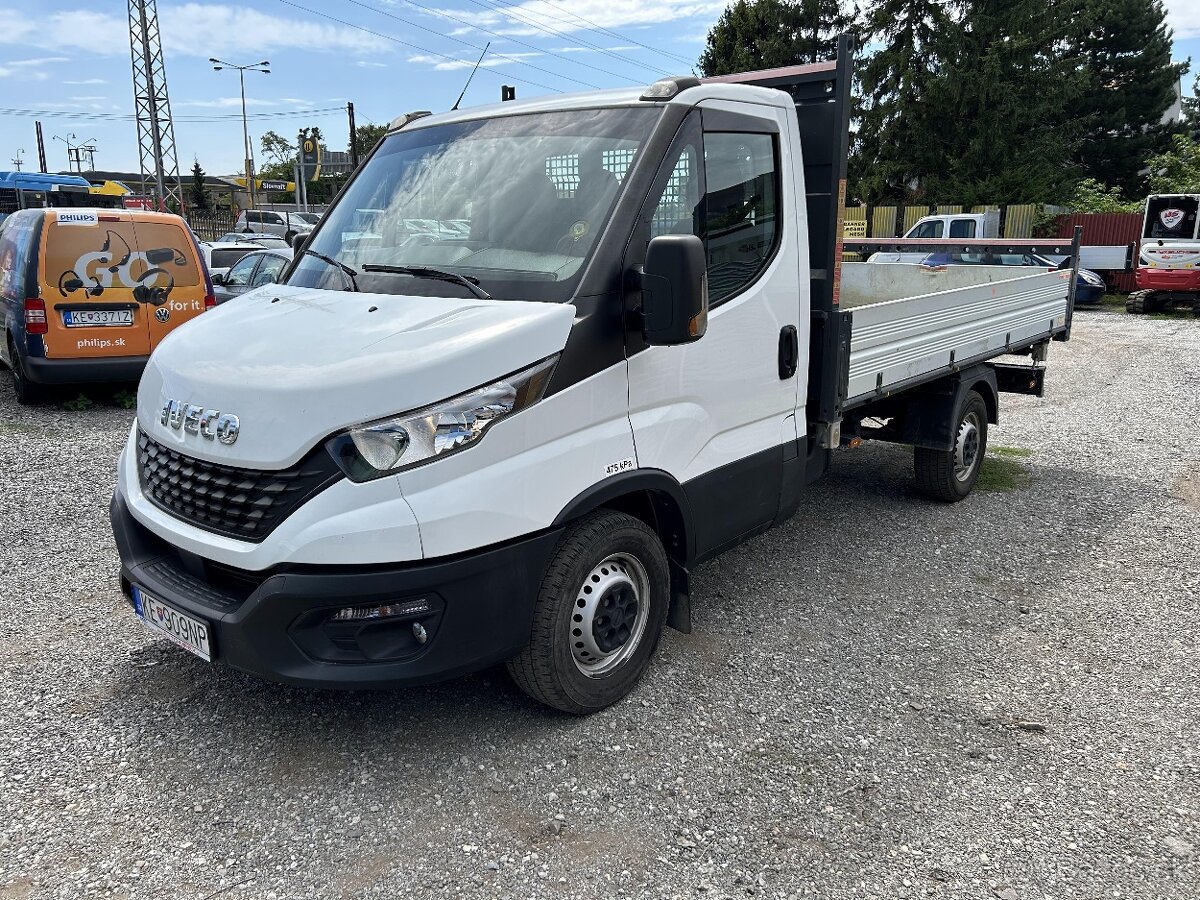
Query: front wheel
x,y
599,614
949,475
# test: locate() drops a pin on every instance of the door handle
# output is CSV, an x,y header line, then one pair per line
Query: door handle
x,y
789,352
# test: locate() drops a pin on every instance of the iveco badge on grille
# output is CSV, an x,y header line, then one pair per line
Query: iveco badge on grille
x,y
193,419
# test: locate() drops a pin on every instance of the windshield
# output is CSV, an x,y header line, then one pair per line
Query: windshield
x,y
1172,217
310,218
515,202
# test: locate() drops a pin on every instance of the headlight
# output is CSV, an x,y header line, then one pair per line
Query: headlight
x,y
387,446
1093,280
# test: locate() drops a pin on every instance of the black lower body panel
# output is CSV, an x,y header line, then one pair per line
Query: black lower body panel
x,y
278,624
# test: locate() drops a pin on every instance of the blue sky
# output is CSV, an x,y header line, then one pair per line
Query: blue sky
x,y
68,61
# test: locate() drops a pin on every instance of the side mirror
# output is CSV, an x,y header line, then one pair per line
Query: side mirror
x,y
299,240
218,278
674,290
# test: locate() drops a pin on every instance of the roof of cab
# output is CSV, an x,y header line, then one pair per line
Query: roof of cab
x,y
616,97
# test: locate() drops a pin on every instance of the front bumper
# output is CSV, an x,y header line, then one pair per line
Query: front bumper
x,y
276,624
84,370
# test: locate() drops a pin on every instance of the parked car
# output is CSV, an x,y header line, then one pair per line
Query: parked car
x,y
251,271
1089,287
87,294
285,224
220,255
252,237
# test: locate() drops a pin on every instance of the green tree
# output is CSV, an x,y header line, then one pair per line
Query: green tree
x,y
200,198
1123,52
1092,196
763,34
277,149
366,137
1001,106
1176,171
898,139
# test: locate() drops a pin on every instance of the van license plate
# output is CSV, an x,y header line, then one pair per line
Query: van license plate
x,y
91,318
189,633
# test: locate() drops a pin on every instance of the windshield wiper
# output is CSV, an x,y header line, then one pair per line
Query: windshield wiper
x,y
471,284
347,273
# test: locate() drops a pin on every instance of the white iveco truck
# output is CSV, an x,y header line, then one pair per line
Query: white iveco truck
x,y
538,362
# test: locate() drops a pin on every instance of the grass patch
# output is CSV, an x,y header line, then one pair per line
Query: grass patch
x,y
1021,452
1002,473
79,404
1108,301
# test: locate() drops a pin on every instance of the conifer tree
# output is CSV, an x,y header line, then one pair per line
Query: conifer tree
x,y
764,34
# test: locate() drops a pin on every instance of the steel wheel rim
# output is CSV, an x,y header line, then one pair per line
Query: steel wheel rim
x,y
967,446
612,607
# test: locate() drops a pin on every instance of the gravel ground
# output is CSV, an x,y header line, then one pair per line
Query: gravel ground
x,y
884,698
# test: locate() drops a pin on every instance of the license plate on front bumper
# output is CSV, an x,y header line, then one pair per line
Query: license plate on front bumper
x,y
189,633
93,318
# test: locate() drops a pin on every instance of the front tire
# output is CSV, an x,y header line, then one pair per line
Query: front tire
x,y
949,475
599,614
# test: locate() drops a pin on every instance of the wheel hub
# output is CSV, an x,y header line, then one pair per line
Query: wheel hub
x,y
610,614
966,447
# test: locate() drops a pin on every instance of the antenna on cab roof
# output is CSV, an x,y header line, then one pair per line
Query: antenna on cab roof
x,y
472,75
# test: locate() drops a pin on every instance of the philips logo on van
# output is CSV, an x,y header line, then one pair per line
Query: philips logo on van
x,y
192,419
77,218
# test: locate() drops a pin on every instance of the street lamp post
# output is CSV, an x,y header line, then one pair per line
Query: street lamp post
x,y
218,65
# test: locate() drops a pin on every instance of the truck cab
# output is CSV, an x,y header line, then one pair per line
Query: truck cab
x,y
537,362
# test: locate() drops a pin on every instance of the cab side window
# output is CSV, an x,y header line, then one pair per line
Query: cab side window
x,y
962,228
740,209
928,230
16,244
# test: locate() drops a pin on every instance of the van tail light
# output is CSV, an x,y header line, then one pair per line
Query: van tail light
x,y
35,316
210,302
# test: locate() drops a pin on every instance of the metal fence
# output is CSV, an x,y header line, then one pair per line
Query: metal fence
x,y
209,225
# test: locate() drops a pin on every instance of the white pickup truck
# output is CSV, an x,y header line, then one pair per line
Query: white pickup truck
x,y
427,452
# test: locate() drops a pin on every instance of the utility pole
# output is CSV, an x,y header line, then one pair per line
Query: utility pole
x,y
353,137
41,147
17,161
156,133
218,65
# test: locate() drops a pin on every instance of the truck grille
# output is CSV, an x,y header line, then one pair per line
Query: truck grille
x,y
246,504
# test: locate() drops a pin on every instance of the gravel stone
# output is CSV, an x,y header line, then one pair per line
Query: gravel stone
x,y
840,723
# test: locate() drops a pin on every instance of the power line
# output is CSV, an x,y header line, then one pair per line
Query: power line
x,y
492,6
595,26
417,47
519,62
445,15
199,118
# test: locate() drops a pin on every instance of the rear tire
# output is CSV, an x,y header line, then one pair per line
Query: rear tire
x,y
599,614
28,393
949,475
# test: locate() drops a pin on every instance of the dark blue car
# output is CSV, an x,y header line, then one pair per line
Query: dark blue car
x,y
1089,287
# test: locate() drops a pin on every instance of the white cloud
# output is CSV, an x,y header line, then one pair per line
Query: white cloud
x,y
88,99
191,29
449,65
88,81
370,64
524,18
236,102
593,49
36,63
1184,17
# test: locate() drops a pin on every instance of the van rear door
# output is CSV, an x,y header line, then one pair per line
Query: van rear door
x,y
169,273
88,269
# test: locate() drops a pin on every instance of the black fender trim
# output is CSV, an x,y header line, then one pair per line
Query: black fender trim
x,y
672,519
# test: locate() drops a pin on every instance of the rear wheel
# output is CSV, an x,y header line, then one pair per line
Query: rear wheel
x,y
949,475
599,614
27,392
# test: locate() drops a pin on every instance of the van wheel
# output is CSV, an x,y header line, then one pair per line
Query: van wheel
x,y
949,475
28,392
598,617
